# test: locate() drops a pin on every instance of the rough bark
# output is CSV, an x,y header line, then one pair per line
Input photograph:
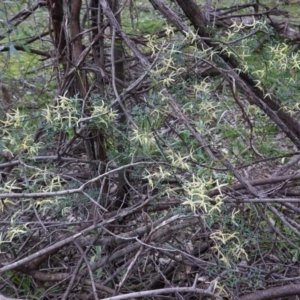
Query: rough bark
x,y
274,293
56,13
119,73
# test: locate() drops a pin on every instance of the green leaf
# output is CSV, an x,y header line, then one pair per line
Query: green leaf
x,y
12,50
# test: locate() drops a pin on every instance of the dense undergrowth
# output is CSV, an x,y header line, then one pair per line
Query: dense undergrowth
x,y
164,177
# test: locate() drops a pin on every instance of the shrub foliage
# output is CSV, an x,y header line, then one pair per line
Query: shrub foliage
x,y
149,149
